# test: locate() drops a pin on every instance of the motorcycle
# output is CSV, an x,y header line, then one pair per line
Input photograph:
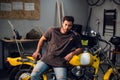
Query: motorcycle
x,y
84,66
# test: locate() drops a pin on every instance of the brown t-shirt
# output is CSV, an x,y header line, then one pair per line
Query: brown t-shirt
x,y
59,45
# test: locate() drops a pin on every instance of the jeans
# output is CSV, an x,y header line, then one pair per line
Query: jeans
x,y
41,67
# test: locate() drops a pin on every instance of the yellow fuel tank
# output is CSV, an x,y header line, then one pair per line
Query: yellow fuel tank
x,y
82,59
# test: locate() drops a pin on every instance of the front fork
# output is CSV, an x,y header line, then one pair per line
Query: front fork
x,y
109,72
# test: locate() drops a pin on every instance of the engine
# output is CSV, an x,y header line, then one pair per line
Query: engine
x,y
83,72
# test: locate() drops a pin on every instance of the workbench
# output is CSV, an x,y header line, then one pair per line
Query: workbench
x,y
8,47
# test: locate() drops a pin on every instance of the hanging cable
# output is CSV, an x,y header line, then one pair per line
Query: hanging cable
x,y
62,5
16,41
58,13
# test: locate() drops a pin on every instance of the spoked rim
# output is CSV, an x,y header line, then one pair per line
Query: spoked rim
x,y
25,76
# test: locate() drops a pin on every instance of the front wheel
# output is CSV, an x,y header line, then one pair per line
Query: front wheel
x,y
20,74
115,76
24,74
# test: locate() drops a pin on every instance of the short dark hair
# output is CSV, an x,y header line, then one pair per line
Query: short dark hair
x,y
68,18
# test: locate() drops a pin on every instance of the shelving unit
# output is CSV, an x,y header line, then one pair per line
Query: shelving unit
x,y
109,24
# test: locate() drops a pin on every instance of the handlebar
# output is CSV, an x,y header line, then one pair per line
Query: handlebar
x,y
106,48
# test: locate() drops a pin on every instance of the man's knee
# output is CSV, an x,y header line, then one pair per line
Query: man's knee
x,y
34,74
61,78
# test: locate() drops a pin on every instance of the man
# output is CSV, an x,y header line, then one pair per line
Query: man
x,y
63,43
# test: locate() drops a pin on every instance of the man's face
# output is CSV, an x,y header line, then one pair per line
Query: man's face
x,y
66,26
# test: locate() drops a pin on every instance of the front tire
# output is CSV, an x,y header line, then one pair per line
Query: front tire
x,y
18,73
23,74
115,76
13,73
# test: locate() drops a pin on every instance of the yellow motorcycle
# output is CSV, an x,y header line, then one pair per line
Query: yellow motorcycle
x,y
84,66
81,67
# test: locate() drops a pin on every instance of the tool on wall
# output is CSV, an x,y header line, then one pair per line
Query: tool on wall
x,y
60,12
87,28
62,7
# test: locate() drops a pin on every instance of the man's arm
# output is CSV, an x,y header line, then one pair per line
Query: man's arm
x,y
39,47
71,54
77,51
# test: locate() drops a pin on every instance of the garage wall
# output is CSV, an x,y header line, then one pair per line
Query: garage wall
x,y
76,8
98,14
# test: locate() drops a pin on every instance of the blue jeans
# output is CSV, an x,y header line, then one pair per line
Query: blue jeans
x,y
41,67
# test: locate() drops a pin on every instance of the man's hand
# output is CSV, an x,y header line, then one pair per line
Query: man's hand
x,y
36,55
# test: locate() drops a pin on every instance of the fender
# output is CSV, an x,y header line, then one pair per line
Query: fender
x,y
108,73
20,61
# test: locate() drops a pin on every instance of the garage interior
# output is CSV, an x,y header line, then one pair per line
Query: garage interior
x,y
32,20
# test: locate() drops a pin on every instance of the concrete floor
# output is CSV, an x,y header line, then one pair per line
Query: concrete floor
x,y
4,75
